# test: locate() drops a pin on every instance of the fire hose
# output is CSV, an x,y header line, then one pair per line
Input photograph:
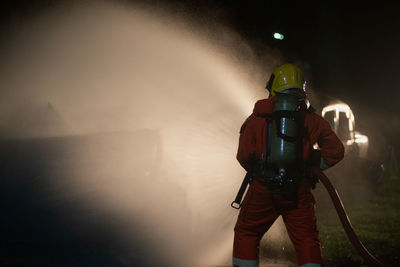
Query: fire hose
x,y
344,219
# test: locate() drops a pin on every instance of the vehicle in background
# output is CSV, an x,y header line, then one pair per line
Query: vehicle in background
x,y
342,120
359,171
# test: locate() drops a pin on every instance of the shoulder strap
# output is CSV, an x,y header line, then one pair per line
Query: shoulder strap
x,y
301,133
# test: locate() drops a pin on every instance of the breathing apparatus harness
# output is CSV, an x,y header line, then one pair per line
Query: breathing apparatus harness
x,y
281,166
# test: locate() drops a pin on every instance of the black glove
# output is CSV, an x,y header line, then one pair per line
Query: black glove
x,y
314,161
315,158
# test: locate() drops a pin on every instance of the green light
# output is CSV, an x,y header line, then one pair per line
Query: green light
x,y
278,36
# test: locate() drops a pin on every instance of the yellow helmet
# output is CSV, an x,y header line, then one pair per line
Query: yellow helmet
x,y
287,76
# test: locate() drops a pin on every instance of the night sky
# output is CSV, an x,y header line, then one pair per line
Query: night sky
x,y
351,47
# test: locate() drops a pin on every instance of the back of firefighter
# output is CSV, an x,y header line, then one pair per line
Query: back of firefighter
x,y
261,207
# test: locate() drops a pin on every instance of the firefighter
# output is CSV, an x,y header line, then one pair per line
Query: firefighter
x,y
276,148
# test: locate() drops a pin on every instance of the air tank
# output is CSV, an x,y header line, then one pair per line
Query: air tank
x,y
284,151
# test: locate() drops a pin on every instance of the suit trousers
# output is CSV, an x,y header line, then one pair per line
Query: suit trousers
x,y
259,211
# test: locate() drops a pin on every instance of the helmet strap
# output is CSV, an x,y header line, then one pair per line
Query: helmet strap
x,y
270,82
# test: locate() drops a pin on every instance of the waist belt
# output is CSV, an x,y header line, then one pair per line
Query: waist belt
x,y
278,182
275,183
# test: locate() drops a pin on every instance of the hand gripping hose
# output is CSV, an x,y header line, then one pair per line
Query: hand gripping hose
x,y
344,219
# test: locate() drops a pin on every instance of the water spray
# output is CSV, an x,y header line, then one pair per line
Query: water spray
x,y
136,90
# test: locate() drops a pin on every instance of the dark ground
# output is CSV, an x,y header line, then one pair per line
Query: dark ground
x,y
375,216
372,203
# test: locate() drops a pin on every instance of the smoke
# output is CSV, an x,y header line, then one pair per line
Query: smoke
x,y
170,94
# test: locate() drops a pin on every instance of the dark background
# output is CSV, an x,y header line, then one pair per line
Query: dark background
x,y
350,47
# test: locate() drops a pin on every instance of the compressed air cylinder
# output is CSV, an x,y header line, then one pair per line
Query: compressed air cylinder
x,y
284,153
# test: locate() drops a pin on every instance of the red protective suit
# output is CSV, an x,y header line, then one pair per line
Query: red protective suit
x,y
260,208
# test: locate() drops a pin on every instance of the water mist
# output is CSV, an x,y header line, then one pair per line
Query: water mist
x,y
153,108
